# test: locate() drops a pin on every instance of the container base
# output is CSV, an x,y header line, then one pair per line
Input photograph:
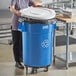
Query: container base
x,y
34,69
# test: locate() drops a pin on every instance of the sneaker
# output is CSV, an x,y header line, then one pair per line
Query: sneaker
x,y
19,65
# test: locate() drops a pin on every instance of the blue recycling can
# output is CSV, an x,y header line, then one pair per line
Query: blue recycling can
x,y
37,40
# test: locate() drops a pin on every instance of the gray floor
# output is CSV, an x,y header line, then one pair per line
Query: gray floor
x,y
5,26
7,64
5,14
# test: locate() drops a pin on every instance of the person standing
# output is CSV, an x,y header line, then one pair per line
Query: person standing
x,y
14,7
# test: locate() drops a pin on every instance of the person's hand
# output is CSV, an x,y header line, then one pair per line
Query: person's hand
x,y
37,4
18,13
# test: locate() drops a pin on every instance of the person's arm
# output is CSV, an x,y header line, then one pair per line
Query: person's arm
x,y
12,8
35,4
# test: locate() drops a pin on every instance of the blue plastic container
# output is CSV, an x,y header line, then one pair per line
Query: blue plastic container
x,y
37,44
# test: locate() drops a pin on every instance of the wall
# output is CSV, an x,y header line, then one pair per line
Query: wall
x,y
4,4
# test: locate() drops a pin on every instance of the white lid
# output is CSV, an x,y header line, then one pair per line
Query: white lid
x,y
38,13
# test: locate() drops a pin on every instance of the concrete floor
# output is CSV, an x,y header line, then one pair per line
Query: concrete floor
x,y
7,64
